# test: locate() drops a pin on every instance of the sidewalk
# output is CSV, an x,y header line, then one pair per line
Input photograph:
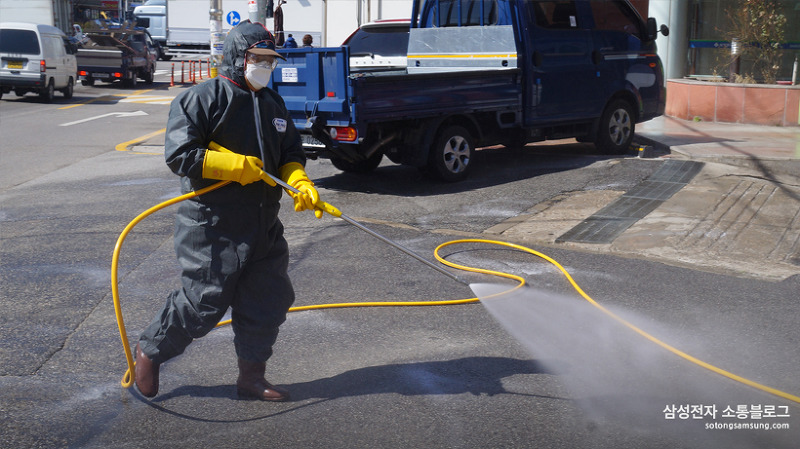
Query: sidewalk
x,y
749,146
739,215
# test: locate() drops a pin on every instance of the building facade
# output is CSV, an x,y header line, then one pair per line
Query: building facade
x,y
699,43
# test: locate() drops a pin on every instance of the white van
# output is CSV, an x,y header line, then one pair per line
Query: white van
x,y
36,58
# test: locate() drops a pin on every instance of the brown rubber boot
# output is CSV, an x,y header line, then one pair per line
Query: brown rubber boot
x,y
251,383
146,374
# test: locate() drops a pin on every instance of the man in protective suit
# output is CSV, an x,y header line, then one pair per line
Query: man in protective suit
x,y
229,242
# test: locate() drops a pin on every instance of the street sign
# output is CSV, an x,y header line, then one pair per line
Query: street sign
x,y
233,18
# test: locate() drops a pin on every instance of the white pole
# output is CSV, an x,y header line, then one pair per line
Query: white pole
x,y
324,23
217,36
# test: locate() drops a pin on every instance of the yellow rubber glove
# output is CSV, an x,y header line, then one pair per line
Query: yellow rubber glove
x,y
295,175
227,166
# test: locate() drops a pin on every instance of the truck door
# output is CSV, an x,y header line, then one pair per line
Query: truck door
x,y
562,77
56,59
618,34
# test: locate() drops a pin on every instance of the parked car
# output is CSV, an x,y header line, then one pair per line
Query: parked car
x,y
379,45
36,58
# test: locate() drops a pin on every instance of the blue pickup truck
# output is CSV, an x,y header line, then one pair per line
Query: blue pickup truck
x,y
481,73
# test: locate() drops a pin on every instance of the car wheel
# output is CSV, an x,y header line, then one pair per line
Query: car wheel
x,y
451,155
67,91
617,125
48,93
364,166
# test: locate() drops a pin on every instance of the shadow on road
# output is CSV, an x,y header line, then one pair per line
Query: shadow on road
x,y
474,375
492,167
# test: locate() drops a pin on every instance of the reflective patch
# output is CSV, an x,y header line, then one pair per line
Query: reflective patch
x,y
279,124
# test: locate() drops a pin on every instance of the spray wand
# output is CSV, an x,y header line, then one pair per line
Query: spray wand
x,y
325,207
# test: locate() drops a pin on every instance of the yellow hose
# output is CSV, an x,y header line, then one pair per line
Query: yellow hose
x,y
128,378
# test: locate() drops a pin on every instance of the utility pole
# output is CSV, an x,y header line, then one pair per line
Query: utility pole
x,y
217,36
257,10
324,23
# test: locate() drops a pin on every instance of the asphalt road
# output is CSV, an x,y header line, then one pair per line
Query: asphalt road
x,y
448,376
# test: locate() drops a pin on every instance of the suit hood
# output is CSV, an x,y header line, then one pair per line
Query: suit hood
x,y
240,38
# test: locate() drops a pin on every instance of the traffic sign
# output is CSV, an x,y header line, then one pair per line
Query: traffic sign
x,y
233,18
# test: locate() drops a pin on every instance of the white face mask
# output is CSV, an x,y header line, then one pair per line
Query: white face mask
x,y
257,74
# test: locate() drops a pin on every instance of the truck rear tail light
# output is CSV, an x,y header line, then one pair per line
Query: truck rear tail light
x,y
83,73
344,133
116,75
42,66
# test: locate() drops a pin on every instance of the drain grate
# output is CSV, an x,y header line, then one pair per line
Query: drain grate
x,y
611,221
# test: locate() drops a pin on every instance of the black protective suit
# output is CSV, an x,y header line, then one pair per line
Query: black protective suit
x,y
229,242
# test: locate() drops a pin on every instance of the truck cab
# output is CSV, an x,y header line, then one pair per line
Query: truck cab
x,y
579,58
154,14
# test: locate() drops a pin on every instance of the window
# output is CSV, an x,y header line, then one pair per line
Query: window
x,y
615,16
55,46
382,40
556,14
450,13
136,41
19,41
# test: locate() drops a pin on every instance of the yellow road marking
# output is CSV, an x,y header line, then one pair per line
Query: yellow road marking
x,y
125,146
105,98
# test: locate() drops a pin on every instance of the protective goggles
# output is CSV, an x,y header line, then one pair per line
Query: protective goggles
x,y
267,61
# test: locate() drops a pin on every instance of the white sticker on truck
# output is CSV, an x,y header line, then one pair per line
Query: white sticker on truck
x,y
289,74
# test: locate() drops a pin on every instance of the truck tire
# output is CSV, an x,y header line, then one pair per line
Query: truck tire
x,y
48,93
366,166
87,82
148,77
131,80
451,154
617,124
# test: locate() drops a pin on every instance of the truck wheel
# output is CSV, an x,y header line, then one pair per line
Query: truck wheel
x,y
148,77
365,166
88,82
67,91
131,80
615,133
451,154
48,93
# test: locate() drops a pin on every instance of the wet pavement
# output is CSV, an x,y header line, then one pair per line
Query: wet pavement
x,y
414,377
739,215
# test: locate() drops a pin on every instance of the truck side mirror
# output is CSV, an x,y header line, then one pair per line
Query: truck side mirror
x,y
652,30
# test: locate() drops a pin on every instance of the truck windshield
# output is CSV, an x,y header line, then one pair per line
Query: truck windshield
x,y
19,42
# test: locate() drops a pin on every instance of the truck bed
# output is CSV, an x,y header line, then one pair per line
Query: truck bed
x,y
383,96
316,82
97,57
